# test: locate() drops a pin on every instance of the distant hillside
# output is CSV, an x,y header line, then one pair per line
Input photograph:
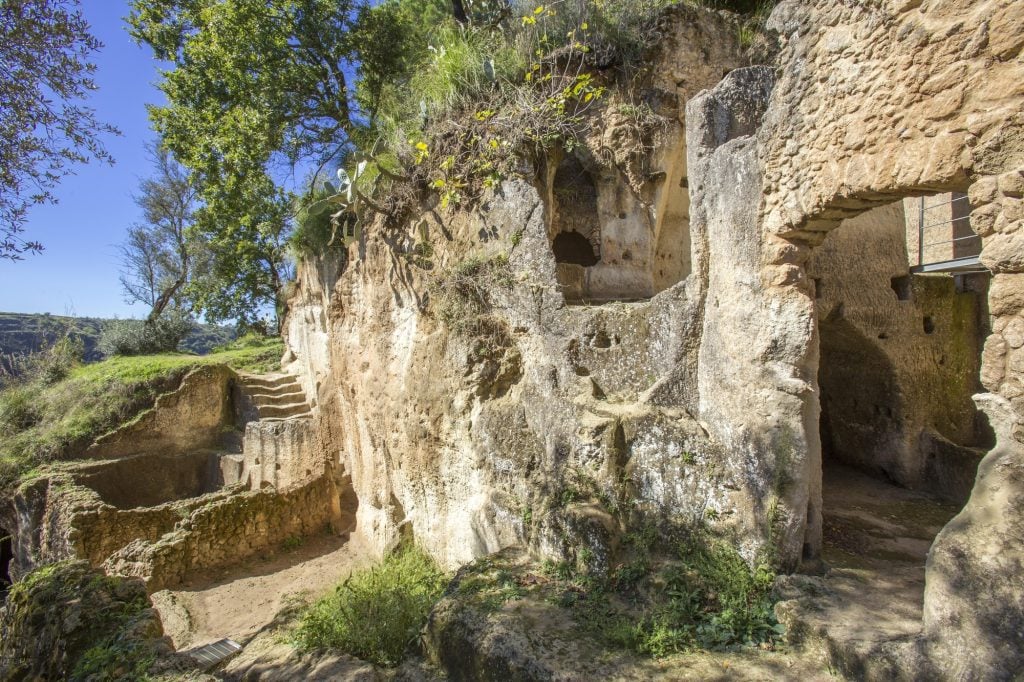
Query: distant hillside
x,y
21,334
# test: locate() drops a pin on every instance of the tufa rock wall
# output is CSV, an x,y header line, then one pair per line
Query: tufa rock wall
x,y
474,422
202,401
226,531
874,102
476,405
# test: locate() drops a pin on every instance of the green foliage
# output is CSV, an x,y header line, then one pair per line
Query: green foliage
x,y
46,49
245,263
103,629
55,362
376,613
315,231
253,84
145,337
715,600
18,410
489,586
703,596
42,422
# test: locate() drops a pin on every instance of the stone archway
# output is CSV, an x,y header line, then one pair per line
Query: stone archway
x,y
866,106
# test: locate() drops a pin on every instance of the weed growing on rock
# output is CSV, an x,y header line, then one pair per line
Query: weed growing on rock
x,y
463,298
376,613
104,629
702,596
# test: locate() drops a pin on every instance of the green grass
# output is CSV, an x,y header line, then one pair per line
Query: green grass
x,y
376,613
42,422
704,597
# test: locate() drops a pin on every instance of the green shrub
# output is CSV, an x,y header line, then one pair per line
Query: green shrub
x,y
464,67
714,600
142,337
376,613
19,409
56,362
314,231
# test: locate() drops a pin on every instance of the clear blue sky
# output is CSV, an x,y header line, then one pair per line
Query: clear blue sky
x,y
78,271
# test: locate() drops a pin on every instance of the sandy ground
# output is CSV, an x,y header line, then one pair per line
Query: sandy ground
x,y
238,602
868,608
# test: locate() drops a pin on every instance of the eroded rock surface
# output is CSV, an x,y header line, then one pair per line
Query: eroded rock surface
x,y
533,416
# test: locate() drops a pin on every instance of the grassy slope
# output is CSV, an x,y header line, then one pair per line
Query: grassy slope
x,y
40,423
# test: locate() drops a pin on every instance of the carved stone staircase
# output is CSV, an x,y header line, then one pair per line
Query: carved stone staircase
x,y
275,397
278,444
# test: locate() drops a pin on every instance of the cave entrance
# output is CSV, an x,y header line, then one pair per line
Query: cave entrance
x,y
900,353
575,228
6,556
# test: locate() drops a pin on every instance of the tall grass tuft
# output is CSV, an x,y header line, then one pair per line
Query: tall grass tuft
x,y
375,614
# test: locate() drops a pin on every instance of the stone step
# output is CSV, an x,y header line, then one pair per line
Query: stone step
x,y
283,411
270,381
262,399
271,420
276,386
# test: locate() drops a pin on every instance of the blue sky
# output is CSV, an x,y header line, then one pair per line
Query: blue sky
x,y
78,271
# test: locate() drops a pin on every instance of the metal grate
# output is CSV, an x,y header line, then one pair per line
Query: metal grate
x,y
212,655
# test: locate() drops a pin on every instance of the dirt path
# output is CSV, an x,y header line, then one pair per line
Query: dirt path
x,y
867,610
239,601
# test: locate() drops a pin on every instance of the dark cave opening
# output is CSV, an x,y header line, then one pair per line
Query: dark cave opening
x,y
6,556
574,248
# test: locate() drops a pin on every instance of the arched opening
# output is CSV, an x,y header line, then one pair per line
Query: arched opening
x,y
6,556
609,242
575,229
575,249
900,342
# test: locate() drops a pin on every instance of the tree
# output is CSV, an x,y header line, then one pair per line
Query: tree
x,y
45,129
257,87
242,265
255,83
157,257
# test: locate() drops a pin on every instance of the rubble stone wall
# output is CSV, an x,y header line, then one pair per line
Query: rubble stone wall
x,y
229,530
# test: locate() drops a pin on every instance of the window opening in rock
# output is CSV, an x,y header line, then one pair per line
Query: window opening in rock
x,y
898,427
610,244
574,248
901,285
943,239
6,556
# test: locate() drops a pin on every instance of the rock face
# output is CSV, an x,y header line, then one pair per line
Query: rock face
x,y
479,403
468,394
68,621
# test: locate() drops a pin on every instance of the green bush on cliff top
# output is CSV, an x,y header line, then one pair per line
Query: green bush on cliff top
x,y
375,613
